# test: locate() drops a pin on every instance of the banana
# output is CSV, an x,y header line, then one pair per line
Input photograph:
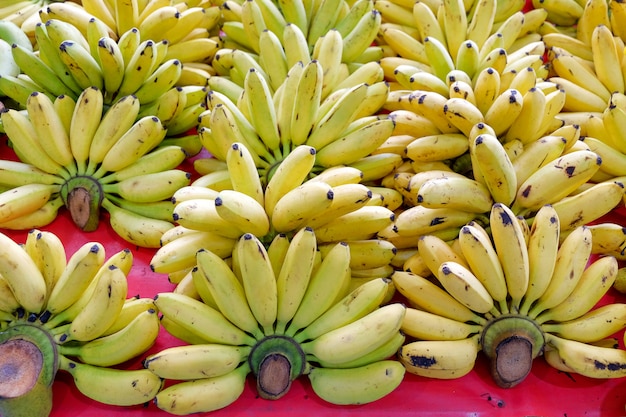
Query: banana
x,y
571,260
48,252
85,120
587,359
358,303
324,287
24,140
291,172
463,285
82,66
81,269
502,110
537,154
543,246
495,167
299,205
594,282
596,324
482,258
162,158
128,343
440,359
262,112
135,228
428,296
259,282
571,68
143,136
357,338
203,395
272,58
38,218
117,120
356,144
149,187
533,108
360,385
557,179
462,114
112,386
457,193
198,361
180,252
439,58
242,211
132,308
437,147
331,122
25,199
614,122
201,320
419,220
369,218
361,36
606,238
576,210
227,292
243,172
510,244
37,70
606,61
295,272
106,301
578,98
423,325
22,276
300,109
200,214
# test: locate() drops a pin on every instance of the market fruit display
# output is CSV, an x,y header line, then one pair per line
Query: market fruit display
x,y
72,316
373,188
279,314
512,297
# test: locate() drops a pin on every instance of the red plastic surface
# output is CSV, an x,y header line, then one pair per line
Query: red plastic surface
x,y
545,392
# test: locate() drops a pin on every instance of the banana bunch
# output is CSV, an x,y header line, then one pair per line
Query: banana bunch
x,y
218,208
189,28
77,305
344,128
68,62
431,41
278,313
85,158
286,32
511,294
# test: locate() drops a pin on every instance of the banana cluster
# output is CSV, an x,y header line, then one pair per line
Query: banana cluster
x,y
189,28
279,314
343,126
84,157
68,61
513,294
79,307
283,33
218,208
431,40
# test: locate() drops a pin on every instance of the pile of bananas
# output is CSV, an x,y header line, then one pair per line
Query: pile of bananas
x,y
71,315
69,59
514,296
333,203
457,151
278,313
74,156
